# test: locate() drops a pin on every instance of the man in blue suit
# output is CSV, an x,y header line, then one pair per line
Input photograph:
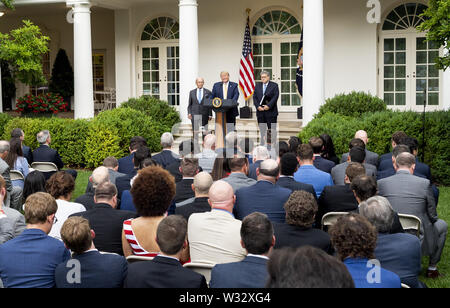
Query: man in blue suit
x,y
126,164
226,89
96,270
264,196
258,239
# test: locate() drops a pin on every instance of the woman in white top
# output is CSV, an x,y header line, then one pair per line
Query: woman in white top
x,y
61,186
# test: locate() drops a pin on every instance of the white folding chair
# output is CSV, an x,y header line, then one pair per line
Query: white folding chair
x,y
16,175
405,286
44,166
410,222
203,268
330,218
134,258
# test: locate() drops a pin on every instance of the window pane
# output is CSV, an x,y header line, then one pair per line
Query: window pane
x,y
400,99
257,61
146,65
388,44
285,87
171,76
421,71
155,53
421,57
155,76
432,56
400,85
294,61
155,88
421,43
146,87
285,74
420,97
267,49
155,65
433,71
257,49
294,48
421,85
389,72
433,45
400,58
389,58
285,100
145,36
400,44
433,98
146,76
400,71
433,84
389,85
295,99
285,61
145,53
389,98
285,48
267,61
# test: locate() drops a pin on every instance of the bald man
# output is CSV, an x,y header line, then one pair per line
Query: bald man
x,y
264,197
196,112
371,157
214,236
200,186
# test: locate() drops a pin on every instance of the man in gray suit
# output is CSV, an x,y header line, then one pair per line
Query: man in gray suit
x,y
12,223
196,112
239,171
409,194
371,157
358,155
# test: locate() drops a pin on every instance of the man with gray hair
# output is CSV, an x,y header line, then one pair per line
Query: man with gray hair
x,y
260,153
99,175
166,156
399,252
208,154
410,194
4,171
264,197
197,113
200,186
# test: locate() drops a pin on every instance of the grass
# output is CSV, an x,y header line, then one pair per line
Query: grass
x,y
443,212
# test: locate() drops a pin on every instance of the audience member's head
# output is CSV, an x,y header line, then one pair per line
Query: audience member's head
x,y
364,187
106,193
140,155
221,196
353,170
397,137
189,167
301,209
305,154
77,234
15,151
316,144
353,236
246,145
231,140
356,142
306,267
260,153
2,190
111,163
202,183
43,137
294,142
238,164
283,148
40,209
361,134
257,235
171,235
288,164
412,143
99,175
405,161
18,133
328,146
357,155
401,148
137,142
34,182
153,191
221,168
186,148
4,149
166,140
268,170
149,162
209,142
378,212
60,185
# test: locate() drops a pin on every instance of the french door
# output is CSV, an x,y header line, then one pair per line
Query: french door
x,y
408,77
159,72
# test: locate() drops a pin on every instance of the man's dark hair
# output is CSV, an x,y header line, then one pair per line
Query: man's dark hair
x,y
301,208
136,142
364,187
317,144
305,152
16,133
283,148
356,142
246,145
236,163
306,267
257,233
354,169
399,149
357,155
140,155
288,164
398,136
171,234
294,142
186,147
411,142
110,162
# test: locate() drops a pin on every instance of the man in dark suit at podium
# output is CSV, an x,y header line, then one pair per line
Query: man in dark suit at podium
x,y
265,100
196,112
227,90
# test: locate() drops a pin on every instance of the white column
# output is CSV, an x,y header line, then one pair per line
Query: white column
x,y
446,89
189,55
84,93
123,54
313,58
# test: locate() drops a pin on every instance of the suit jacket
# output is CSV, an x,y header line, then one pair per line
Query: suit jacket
x,y
263,197
165,158
233,94
174,169
337,198
270,98
87,200
252,169
184,190
338,172
162,272
124,182
107,224
97,271
239,180
12,225
410,194
400,253
195,107
371,158
126,164
4,172
387,169
206,230
27,153
294,236
248,273
289,183
200,205
311,175
323,164
46,154
359,271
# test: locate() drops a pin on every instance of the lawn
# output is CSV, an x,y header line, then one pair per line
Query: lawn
x,y
443,211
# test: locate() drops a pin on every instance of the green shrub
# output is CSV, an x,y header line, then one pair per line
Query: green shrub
x,y
354,104
4,119
72,140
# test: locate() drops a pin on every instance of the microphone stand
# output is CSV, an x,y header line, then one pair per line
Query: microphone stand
x,y
423,124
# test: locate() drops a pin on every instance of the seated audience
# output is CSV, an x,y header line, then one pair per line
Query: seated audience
x,y
260,153
16,161
186,148
165,270
239,170
328,151
201,186
264,196
371,157
96,270
293,143
12,222
61,186
409,194
221,168
355,239
27,153
113,165
208,155
301,208
319,162
288,166
153,191
184,192
214,236
106,220
356,155
126,165
283,148
34,182
30,260
4,172
166,156
395,140
399,253
99,175
257,239
309,174
306,267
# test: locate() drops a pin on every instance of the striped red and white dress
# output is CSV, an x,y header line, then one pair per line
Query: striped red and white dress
x,y
138,250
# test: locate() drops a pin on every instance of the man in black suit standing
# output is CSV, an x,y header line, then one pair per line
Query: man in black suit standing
x,y
197,113
165,270
289,165
265,100
226,89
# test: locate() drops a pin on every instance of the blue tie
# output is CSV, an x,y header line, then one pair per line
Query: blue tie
x,y
199,95
264,88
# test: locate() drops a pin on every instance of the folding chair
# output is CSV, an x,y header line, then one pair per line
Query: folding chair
x,y
134,258
203,268
410,222
330,218
405,286
16,175
44,167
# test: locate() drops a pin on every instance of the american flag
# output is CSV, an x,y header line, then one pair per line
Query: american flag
x,y
299,77
246,67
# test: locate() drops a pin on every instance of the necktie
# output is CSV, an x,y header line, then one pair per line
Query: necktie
x,y
199,95
225,90
264,88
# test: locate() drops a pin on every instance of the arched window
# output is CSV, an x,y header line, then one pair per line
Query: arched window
x,y
404,16
161,28
276,22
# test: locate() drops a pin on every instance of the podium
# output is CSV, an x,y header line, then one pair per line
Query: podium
x,y
220,107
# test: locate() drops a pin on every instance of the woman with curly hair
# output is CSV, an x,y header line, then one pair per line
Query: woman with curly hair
x,y
355,239
153,191
61,186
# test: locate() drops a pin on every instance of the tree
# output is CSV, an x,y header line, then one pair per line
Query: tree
x,y
62,76
437,23
23,49
8,85
8,3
